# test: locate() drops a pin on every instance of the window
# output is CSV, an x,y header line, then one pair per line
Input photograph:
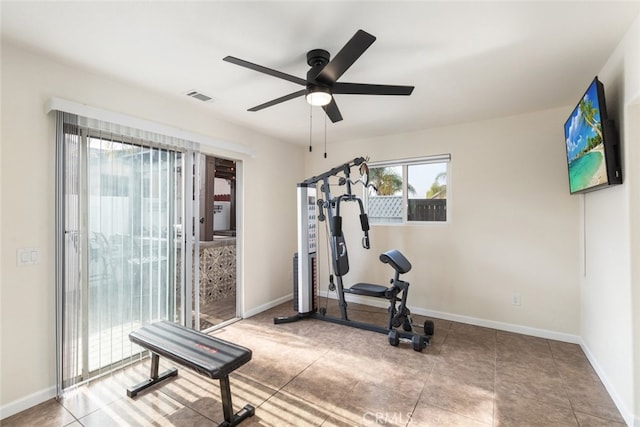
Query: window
x,y
410,190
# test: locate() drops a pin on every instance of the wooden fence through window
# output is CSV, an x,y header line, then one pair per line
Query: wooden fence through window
x,y
427,210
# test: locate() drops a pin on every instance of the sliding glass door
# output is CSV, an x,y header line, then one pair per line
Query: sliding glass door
x,y
121,245
131,259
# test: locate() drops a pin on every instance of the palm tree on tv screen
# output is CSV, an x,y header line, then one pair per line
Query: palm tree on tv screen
x,y
588,114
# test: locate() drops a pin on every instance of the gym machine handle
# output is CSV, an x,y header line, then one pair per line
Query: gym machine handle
x,y
336,221
364,222
337,226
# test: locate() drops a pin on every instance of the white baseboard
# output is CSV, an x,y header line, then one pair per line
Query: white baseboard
x,y
27,402
267,306
501,326
631,419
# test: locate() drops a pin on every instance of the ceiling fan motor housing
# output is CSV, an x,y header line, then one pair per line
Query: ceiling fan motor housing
x,y
317,59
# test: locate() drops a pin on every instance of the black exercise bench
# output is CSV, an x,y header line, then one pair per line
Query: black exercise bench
x,y
206,355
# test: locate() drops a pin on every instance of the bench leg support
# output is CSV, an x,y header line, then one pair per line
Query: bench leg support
x,y
231,419
154,378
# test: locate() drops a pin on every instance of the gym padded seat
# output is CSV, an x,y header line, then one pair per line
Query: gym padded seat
x,y
209,356
399,263
368,290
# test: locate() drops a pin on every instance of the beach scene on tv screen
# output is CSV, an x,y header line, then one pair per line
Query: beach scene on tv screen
x,y
585,150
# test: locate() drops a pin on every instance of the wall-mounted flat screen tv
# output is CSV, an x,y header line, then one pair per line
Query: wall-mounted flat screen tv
x,y
592,143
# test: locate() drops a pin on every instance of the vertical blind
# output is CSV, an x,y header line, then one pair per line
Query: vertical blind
x,y
121,213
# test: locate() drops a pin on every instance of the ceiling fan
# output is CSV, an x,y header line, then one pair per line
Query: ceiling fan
x,y
321,82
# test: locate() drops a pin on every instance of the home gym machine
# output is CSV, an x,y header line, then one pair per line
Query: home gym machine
x,y
305,294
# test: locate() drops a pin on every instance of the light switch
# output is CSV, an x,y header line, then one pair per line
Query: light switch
x,y
28,256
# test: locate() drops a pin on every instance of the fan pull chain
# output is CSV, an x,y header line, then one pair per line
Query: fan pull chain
x,y
310,126
325,136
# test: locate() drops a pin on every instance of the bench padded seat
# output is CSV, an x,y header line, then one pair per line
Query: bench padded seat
x,y
206,355
209,356
367,289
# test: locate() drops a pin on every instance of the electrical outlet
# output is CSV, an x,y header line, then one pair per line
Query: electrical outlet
x,y
515,299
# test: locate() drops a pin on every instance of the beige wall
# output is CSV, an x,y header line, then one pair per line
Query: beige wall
x,y
1,251
633,123
512,225
610,216
27,172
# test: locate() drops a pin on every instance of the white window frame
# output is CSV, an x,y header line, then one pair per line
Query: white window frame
x,y
405,163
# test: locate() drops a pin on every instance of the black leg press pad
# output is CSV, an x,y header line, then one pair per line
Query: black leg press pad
x,y
209,356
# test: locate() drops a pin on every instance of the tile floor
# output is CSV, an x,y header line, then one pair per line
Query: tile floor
x,y
314,373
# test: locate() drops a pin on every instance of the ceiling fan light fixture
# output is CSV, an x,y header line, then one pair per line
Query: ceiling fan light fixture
x,y
318,96
321,82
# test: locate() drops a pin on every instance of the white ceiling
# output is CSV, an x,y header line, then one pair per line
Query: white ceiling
x,y
468,60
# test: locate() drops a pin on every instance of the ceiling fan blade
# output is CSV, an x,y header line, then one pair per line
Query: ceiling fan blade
x,y
278,100
332,111
265,70
368,89
346,57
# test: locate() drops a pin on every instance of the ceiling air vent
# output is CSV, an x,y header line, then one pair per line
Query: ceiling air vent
x,y
199,96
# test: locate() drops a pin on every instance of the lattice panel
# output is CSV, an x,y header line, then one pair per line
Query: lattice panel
x,y
385,207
